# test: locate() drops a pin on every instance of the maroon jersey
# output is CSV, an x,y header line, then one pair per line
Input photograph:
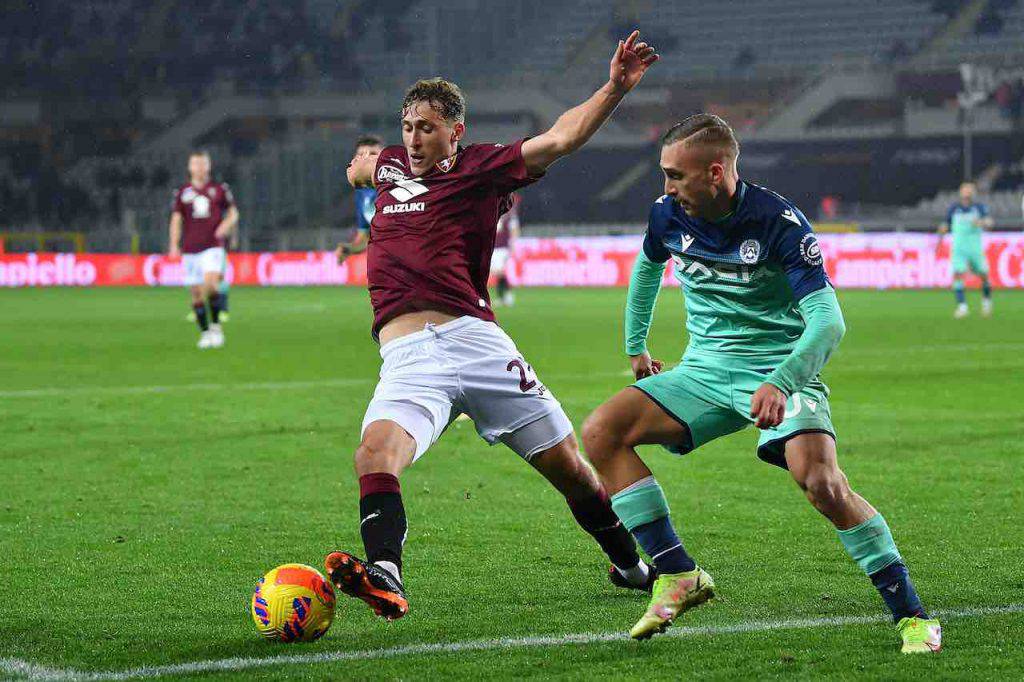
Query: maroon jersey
x,y
433,235
508,222
202,209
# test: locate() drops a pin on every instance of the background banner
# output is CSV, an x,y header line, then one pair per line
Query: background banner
x,y
874,261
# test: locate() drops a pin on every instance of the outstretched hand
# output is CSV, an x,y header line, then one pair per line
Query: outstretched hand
x,y
631,61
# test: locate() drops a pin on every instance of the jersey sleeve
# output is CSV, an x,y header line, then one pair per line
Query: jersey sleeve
x,y
657,220
498,165
949,214
799,253
227,197
983,210
176,204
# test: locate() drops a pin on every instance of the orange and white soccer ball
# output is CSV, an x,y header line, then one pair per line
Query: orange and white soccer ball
x,y
293,603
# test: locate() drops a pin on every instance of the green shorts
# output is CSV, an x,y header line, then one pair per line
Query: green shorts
x,y
969,256
712,399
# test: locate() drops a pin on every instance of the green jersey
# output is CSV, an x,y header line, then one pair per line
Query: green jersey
x,y
742,277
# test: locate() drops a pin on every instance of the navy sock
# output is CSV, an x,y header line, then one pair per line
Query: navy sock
x,y
986,288
661,543
223,301
200,311
894,584
958,290
215,308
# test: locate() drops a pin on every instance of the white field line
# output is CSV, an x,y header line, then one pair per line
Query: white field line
x,y
21,669
57,391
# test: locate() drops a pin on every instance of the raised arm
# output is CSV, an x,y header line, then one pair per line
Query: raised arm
x,y
576,126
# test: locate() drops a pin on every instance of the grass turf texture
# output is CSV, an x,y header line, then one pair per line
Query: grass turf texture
x,y
134,522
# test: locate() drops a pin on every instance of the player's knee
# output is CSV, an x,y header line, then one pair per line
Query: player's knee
x,y
378,455
826,489
600,437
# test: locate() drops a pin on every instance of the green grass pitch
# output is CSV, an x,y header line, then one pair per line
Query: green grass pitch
x,y
146,485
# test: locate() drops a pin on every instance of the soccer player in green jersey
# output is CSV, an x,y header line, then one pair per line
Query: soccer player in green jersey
x,y
762,319
967,219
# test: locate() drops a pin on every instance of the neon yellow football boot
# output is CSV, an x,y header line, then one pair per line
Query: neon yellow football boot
x,y
673,593
920,635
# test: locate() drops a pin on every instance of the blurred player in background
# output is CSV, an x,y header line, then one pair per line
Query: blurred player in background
x,y
203,216
967,219
369,147
504,243
763,320
427,265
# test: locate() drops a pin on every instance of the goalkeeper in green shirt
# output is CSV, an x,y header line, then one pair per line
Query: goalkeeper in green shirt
x,y
762,319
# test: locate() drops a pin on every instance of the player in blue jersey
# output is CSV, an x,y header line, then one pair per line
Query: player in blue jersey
x,y
966,220
762,319
368,146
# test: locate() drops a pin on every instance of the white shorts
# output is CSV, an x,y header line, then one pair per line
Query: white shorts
x,y
499,260
467,365
198,264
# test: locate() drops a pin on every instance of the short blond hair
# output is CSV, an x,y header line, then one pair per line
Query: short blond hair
x,y
443,96
704,129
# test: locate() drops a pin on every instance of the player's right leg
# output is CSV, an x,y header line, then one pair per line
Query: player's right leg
x,y
410,409
961,310
610,437
385,450
979,266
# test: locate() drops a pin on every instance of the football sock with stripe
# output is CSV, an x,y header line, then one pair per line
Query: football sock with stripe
x,y
200,311
870,544
958,291
215,307
595,515
644,511
382,524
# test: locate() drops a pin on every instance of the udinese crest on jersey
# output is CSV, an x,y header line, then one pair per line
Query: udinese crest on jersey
x,y
750,251
389,174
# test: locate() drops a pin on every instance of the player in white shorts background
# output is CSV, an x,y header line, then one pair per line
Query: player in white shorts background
x,y
428,262
203,216
504,243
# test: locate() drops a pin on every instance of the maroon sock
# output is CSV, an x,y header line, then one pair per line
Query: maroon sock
x,y
382,518
594,514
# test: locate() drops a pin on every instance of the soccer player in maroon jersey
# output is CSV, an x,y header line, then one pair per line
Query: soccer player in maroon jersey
x,y
203,216
504,242
427,264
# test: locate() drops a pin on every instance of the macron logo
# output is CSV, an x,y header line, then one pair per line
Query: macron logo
x,y
789,215
686,240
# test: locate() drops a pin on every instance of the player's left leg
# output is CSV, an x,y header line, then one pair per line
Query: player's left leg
x,y
224,289
509,404
563,467
811,459
211,291
979,265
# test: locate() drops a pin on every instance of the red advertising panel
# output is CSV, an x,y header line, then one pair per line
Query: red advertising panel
x,y
853,261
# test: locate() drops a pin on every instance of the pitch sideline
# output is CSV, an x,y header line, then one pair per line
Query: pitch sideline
x,y
26,670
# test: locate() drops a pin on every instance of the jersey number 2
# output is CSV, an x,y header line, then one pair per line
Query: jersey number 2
x,y
524,384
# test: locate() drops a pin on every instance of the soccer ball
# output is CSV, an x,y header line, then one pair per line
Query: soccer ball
x,y
293,603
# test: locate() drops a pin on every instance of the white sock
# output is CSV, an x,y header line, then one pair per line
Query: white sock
x,y
636,575
391,568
